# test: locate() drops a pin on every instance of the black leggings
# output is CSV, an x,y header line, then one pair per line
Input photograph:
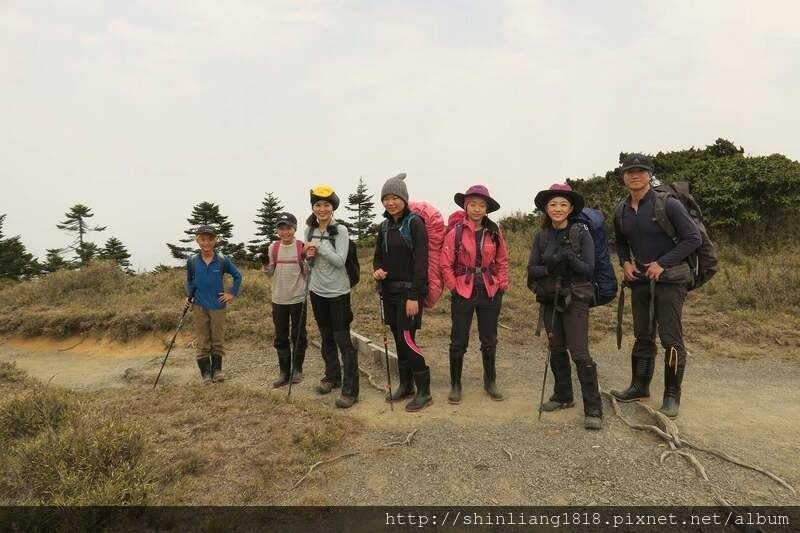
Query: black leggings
x,y
404,331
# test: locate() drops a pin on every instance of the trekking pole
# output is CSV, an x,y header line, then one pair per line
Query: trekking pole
x,y
385,347
303,311
549,341
172,343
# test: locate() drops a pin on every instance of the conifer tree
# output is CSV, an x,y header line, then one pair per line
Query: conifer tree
x,y
117,252
76,222
266,222
361,206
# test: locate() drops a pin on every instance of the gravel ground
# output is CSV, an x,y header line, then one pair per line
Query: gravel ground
x,y
496,453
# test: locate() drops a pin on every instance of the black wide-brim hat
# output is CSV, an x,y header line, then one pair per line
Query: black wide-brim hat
x,y
559,189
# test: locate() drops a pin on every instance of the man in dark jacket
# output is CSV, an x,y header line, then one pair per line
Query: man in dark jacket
x,y
654,266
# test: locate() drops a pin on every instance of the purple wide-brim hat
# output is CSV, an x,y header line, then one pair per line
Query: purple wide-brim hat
x,y
559,189
478,190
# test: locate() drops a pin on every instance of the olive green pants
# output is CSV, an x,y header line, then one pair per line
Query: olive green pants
x,y
209,329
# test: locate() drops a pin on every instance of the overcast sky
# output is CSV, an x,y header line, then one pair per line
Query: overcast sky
x,y
143,108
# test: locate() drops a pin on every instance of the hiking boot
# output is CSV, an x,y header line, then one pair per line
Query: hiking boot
x,y
326,386
554,404
405,389
490,374
345,402
297,376
562,389
217,375
673,377
593,422
204,363
456,365
423,397
642,372
284,362
590,390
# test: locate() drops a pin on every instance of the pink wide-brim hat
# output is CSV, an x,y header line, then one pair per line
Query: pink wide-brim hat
x,y
478,190
559,189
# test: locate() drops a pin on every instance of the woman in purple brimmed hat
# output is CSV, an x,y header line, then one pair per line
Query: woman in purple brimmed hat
x,y
475,269
561,265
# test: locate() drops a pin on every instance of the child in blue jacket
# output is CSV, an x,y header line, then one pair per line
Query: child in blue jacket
x,y
205,291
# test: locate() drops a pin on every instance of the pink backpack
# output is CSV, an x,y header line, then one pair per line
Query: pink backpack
x,y
434,225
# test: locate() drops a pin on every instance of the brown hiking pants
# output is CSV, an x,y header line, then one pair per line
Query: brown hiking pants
x,y
209,329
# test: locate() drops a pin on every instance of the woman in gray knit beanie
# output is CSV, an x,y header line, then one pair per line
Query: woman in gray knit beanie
x,y
401,270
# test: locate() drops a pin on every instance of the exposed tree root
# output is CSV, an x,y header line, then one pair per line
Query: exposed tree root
x,y
679,446
405,442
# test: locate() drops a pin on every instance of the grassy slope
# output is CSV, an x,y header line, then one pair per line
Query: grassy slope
x,y
131,446
751,301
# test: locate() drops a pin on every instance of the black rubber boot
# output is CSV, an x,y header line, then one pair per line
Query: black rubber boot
x,y
642,372
423,397
217,375
562,397
590,390
490,375
404,389
284,363
673,377
204,363
456,365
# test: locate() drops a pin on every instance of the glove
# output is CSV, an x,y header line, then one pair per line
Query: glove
x,y
570,257
553,260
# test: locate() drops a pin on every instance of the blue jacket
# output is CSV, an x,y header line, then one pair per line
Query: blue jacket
x,y
206,280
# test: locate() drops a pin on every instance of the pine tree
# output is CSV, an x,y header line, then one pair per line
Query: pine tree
x,y
266,222
117,252
76,222
87,252
15,261
55,261
207,213
361,206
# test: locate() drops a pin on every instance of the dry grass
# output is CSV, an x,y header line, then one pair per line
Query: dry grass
x,y
181,445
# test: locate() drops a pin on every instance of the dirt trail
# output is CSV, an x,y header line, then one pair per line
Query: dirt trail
x,y
486,452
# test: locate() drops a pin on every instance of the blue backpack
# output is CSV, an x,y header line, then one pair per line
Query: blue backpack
x,y
604,281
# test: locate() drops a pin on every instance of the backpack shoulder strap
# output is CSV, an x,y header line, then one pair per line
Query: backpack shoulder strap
x,y
575,230
299,246
660,214
385,234
273,249
618,211
459,235
192,264
405,229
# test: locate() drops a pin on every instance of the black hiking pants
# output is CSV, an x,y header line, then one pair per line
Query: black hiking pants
x,y
667,313
404,330
333,316
488,312
570,331
282,316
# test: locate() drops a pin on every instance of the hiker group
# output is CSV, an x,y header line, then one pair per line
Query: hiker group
x,y
662,246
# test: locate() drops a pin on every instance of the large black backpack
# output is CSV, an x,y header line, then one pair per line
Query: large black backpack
x,y
351,263
702,261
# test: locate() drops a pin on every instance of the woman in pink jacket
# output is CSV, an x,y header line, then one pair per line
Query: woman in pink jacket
x,y
477,276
